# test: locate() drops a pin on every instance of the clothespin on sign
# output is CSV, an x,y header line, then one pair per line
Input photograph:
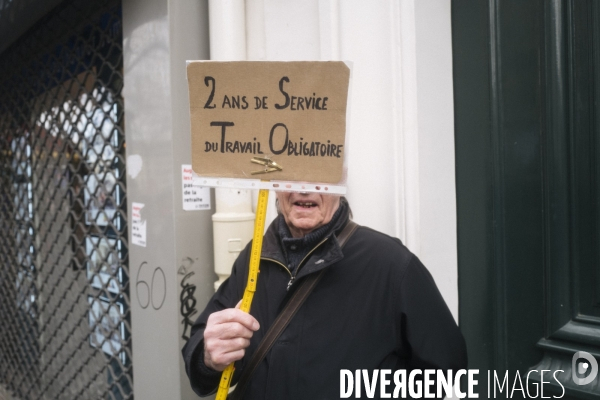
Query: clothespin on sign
x,y
270,165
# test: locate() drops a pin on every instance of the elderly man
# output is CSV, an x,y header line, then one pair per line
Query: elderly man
x,y
375,307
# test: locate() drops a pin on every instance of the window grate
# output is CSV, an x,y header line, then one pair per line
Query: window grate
x,y
64,276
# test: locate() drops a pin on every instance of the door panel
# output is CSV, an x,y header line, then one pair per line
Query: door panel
x,y
527,112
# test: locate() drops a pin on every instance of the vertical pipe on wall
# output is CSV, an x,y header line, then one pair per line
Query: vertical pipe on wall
x,y
233,221
408,123
329,29
227,27
233,224
256,48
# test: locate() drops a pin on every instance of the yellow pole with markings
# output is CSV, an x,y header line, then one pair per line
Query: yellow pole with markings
x,y
257,238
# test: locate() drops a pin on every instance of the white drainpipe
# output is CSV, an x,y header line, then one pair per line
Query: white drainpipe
x,y
233,223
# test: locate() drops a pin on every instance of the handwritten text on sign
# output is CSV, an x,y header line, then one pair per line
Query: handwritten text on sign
x,y
292,112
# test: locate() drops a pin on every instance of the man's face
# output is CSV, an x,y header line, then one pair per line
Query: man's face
x,y
305,212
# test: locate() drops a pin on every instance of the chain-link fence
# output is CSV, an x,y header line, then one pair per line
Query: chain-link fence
x,y
64,282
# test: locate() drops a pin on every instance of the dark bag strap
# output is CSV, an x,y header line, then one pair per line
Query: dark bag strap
x,y
305,287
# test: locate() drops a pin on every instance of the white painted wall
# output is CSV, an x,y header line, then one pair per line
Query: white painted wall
x,y
437,187
401,149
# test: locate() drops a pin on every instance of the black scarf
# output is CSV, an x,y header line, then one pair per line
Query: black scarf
x,y
295,249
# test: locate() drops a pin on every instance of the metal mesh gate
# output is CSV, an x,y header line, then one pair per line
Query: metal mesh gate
x,y
64,284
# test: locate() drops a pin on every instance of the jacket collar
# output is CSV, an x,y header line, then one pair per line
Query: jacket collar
x,y
327,252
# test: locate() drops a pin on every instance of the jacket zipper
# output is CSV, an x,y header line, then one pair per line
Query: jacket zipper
x,y
293,276
289,285
278,263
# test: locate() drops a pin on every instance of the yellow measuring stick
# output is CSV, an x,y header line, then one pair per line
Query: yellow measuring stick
x,y
257,238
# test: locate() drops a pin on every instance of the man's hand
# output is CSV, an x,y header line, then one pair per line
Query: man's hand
x,y
226,336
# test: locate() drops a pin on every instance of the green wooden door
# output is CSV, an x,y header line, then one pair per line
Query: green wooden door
x,y
527,125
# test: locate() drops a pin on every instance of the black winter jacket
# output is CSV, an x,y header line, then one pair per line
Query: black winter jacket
x,y
376,307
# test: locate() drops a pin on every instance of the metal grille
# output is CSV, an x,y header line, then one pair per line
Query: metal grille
x,y
64,277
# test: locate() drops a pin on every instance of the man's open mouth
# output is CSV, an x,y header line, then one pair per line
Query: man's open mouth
x,y
305,204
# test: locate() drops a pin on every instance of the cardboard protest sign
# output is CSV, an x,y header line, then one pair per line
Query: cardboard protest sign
x,y
292,113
